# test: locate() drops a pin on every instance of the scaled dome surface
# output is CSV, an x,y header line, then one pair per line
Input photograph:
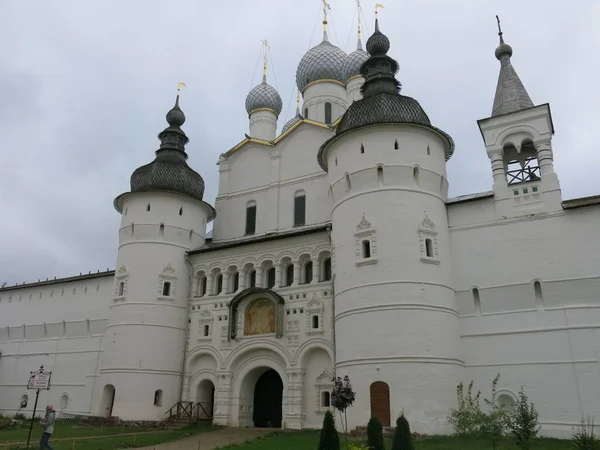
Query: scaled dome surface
x,y
353,63
323,62
264,96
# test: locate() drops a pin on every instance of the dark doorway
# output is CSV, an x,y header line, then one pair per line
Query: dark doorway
x,y
380,402
268,398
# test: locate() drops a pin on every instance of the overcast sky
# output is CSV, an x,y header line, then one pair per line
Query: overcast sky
x,y
85,85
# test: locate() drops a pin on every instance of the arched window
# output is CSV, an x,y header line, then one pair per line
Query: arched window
x,y
325,399
328,113
148,207
308,272
271,278
476,300
299,209
252,280
158,397
362,148
396,146
205,330
348,184
366,249
416,175
289,274
429,248
166,289
428,150
380,175
161,231
202,289
251,218
64,402
236,281
181,211
121,288
132,229
315,322
327,269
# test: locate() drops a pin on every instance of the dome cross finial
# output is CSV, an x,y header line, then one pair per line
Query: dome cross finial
x,y
499,29
266,49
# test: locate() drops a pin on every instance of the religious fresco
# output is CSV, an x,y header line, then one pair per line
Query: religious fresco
x,y
260,317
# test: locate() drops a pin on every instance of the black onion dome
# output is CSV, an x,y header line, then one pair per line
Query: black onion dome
x,y
169,171
381,102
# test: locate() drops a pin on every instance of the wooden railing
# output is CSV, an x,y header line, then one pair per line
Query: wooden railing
x,y
193,412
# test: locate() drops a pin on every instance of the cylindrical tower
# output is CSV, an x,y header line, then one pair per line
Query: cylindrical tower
x,y
163,217
396,320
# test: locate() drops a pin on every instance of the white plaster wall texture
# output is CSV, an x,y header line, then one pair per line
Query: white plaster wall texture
x,y
316,95
353,89
263,125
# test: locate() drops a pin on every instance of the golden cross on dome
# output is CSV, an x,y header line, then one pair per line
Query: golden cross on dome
x,y
326,8
266,48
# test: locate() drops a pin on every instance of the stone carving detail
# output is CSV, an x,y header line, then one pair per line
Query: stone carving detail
x,y
292,340
323,383
122,270
427,224
364,223
169,269
428,232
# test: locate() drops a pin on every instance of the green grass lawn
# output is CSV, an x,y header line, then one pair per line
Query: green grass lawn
x,y
62,438
308,440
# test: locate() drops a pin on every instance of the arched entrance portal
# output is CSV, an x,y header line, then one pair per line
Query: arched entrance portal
x,y
205,400
380,402
107,400
268,399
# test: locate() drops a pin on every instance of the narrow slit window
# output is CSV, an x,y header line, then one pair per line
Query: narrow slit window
x,y
206,330
308,272
251,218
366,249
166,288
202,286
325,399
362,148
380,175
416,175
271,278
396,146
236,281
148,207
306,113
428,150
121,288
477,300
161,231
539,297
327,269
219,283
429,248
328,113
300,209
158,397
348,184
289,274
315,322
181,211
253,278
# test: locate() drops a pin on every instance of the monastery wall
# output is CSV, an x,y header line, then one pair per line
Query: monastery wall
x,y
528,291
60,325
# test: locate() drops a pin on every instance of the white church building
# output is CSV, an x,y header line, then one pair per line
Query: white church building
x,y
334,250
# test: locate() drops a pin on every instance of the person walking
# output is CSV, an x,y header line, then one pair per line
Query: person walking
x,y
47,424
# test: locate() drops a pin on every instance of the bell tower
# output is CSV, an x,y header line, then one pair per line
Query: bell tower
x,y
518,141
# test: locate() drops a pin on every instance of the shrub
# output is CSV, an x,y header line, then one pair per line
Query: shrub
x,y
375,435
402,436
467,418
493,424
523,423
329,439
585,437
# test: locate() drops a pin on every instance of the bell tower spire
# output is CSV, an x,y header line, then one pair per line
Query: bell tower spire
x,y
511,95
518,139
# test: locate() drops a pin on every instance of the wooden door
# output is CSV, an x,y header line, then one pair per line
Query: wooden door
x,y
380,402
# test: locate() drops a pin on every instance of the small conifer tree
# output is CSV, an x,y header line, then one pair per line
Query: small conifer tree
x,y
329,439
402,436
375,435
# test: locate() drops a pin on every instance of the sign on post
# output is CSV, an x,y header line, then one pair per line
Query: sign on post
x,y
39,380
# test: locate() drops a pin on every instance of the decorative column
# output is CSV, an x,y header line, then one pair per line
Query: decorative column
x,y
498,168
222,406
209,284
278,275
316,271
296,273
294,414
227,282
259,277
544,157
195,283
242,283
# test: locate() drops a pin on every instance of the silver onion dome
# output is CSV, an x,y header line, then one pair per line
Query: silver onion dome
x,y
353,63
290,123
323,62
264,96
